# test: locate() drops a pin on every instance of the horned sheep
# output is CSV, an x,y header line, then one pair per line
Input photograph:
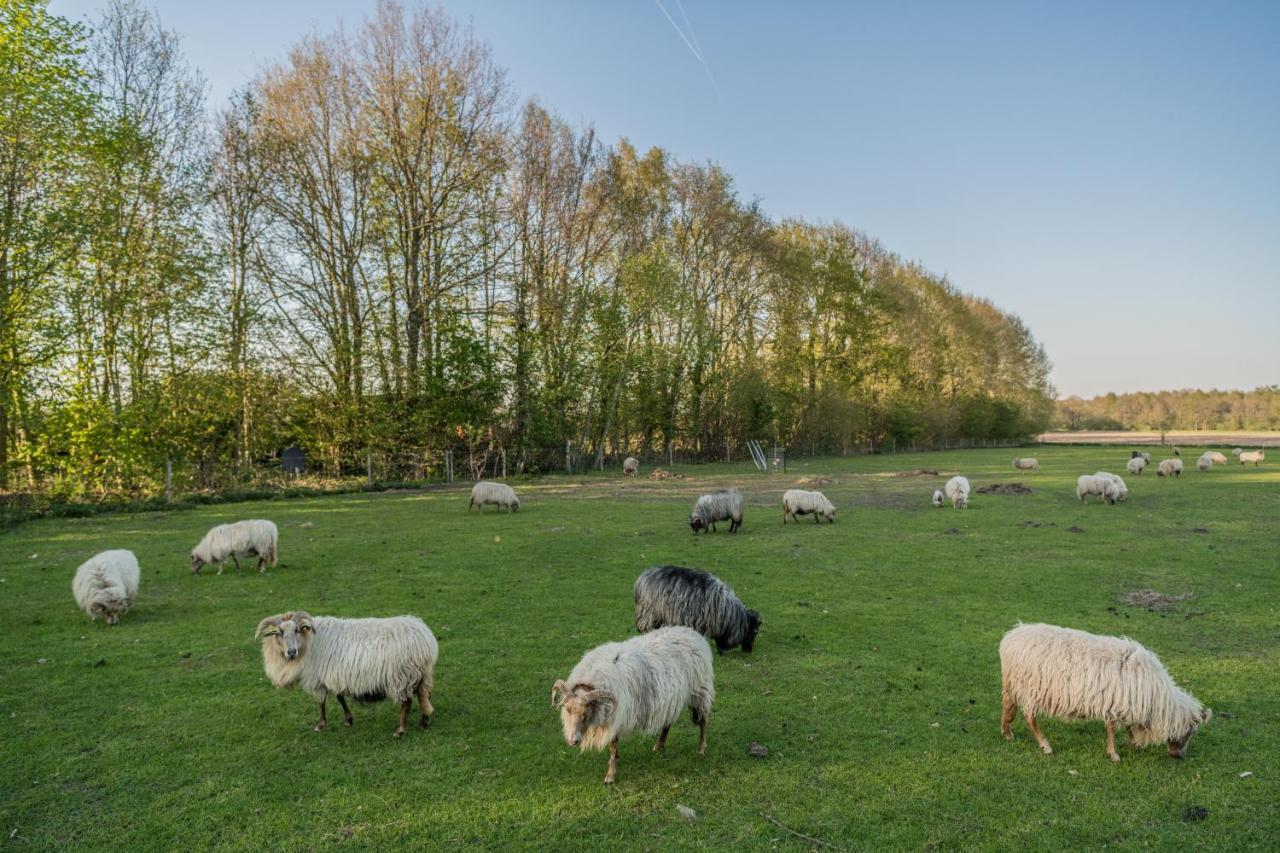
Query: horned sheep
x,y
1254,456
957,491
366,659
630,466
1025,464
1092,484
1062,672
253,538
500,495
1136,465
639,685
674,595
1169,468
106,585
724,505
797,502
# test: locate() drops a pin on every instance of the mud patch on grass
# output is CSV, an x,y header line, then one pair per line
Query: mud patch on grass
x,y
1151,600
919,472
952,531
664,474
1029,524
1005,489
1199,530
815,481
1074,529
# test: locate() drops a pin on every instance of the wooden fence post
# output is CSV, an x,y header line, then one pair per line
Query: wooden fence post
x,y
168,481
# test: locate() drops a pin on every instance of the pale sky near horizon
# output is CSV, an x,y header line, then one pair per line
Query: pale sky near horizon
x,y
1108,172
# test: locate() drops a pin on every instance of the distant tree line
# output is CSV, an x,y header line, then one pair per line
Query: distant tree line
x,y
1258,409
374,245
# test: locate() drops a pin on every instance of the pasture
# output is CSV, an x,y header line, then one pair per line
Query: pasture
x,y
874,684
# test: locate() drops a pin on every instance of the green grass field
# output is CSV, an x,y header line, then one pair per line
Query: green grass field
x,y
874,683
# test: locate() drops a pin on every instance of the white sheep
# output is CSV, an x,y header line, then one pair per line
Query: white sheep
x,y
639,685
1122,491
1025,464
1169,468
1062,672
1216,457
106,585
1092,484
366,659
253,538
499,494
957,491
938,498
797,502
1176,450
1136,465
1204,463
1254,456
724,505
630,466
1236,451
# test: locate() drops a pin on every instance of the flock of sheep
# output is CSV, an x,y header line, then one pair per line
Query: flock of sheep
x,y
643,684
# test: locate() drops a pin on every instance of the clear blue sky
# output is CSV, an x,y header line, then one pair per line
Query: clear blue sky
x,y
1108,171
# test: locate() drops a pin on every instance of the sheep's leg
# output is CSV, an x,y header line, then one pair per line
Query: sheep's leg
x,y
404,715
221,566
1008,710
662,739
1111,741
346,712
702,718
424,702
262,564
613,762
236,560
323,722
817,519
1039,735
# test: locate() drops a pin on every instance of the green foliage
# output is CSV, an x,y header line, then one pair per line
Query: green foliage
x,y
1258,409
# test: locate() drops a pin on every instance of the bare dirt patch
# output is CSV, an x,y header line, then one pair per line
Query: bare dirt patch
x,y
919,472
1005,489
815,481
1028,524
664,474
1149,599
1074,529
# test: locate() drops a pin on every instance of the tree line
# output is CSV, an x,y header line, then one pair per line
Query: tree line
x,y
1189,409
377,245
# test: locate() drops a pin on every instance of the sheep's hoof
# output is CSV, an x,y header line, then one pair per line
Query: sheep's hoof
x,y
398,733
347,722
319,727
424,723
608,780
1114,757
1008,734
1046,749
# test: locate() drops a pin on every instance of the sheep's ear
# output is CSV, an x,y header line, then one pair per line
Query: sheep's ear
x,y
1206,714
303,620
267,627
558,692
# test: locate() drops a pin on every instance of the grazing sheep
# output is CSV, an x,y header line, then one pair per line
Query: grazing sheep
x,y
1136,465
1072,674
957,491
1025,464
797,502
673,595
723,505
255,538
639,685
106,585
366,659
1169,468
1204,463
1236,451
1135,454
1254,456
1176,451
1122,491
937,498
499,494
1146,457
1092,484
630,466
1216,458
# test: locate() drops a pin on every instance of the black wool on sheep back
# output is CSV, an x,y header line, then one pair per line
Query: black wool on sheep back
x,y
675,595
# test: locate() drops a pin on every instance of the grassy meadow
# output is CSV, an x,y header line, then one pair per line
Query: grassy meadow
x,y
874,684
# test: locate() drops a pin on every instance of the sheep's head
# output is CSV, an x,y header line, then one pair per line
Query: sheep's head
x,y
753,628
581,708
286,635
108,606
937,498
515,504
696,523
196,562
1178,745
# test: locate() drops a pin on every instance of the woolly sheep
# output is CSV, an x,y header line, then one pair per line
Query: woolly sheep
x,y
106,585
1169,468
1254,456
1092,484
797,502
639,685
1122,491
1216,457
630,466
254,538
1062,672
723,505
1204,463
366,659
1136,465
1146,457
499,494
674,595
1025,464
1176,451
1236,451
937,498
957,491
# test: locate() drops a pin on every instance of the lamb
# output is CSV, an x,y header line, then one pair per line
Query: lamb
x,y
1025,464
106,585
797,502
630,466
1204,463
957,491
937,498
1122,491
1254,456
1216,457
673,595
639,685
1073,674
1136,465
1236,451
499,494
1169,468
254,538
723,505
1092,484
366,659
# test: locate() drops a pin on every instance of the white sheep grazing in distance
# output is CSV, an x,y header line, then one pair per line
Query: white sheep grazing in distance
x,y
938,498
1136,465
1122,491
630,466
797,502
1254,456
1062,672
639,685
106,585
1169,468
366,659
957,491
1092,484
1176,450
1204,463
1025,464
1236,451
1216,458
254,538
1146,457
499,494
